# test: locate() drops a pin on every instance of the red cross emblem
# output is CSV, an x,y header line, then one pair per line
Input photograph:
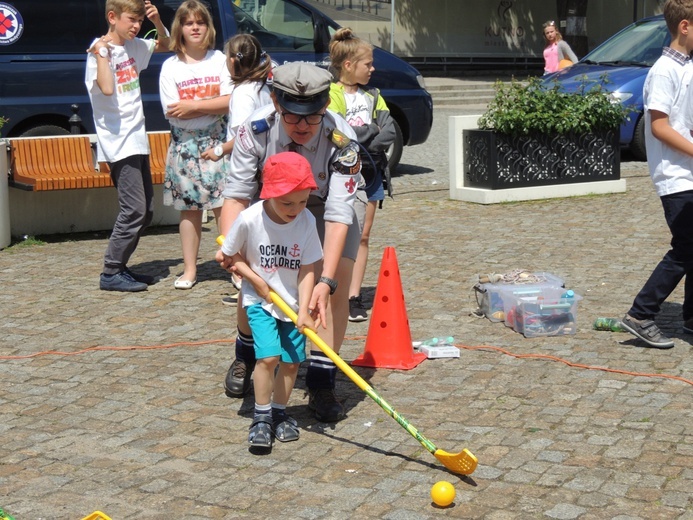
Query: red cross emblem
x,y
6,24
350,185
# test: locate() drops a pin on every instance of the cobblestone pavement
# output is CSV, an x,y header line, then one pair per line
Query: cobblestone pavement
x,y
138,426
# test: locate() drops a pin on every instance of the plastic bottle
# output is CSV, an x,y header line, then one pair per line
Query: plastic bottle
x,y
612,324
568,294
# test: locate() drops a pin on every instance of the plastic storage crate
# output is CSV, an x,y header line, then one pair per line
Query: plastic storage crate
x,y
489,296
551,312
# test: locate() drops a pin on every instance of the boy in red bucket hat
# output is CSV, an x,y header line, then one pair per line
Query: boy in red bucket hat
x,y
275,244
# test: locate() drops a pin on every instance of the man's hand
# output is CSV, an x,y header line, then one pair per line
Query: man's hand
x,y
318,304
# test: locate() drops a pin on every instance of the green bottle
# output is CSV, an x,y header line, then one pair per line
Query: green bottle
x,y
612,324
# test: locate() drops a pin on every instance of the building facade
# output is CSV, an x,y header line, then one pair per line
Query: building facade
x,y
483,33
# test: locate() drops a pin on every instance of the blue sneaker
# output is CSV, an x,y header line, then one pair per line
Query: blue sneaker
x,y
121,282
142,278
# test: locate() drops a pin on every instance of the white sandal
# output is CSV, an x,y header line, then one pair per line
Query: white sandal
x,y
184,284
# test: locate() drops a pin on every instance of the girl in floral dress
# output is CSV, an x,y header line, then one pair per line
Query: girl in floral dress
x,y
194,86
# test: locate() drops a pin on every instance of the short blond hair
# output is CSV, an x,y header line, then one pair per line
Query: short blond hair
x,y
119,7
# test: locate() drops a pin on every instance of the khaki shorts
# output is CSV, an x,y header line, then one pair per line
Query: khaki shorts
x,y
351,248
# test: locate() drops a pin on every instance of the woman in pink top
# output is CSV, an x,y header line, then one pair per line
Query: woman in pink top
x,y
556,49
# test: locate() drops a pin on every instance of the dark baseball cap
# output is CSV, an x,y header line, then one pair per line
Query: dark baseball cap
x,y
301,88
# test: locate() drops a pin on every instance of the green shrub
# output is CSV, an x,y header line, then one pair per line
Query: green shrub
x,y
524,108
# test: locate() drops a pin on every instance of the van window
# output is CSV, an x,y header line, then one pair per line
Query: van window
x,y
277,24
52,27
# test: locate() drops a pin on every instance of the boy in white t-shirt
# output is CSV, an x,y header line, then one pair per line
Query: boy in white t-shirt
x,y
274,244
114,63
667,100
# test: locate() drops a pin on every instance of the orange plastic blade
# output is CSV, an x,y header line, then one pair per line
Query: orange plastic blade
x,y
463,462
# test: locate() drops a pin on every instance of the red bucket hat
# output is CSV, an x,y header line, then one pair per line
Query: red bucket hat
x,y
285,173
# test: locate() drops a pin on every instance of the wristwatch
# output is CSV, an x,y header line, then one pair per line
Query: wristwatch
x,y
103,52
330,282
219,150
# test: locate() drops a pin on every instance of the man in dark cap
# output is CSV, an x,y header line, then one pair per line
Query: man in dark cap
x,y
298,121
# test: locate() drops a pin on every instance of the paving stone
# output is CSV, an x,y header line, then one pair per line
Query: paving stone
x,y
140,432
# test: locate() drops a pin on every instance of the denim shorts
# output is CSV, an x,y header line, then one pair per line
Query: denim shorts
x,y
275,337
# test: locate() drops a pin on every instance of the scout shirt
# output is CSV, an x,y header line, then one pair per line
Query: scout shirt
x,y
263,135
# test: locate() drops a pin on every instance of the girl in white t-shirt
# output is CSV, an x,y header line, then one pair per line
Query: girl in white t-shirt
x,y
250,68
194,86
367,113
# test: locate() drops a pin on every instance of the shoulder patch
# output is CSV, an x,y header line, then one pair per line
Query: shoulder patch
x,y
339,139
346,160
260,126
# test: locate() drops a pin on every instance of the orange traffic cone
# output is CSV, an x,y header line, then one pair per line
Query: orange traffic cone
x,y
388,344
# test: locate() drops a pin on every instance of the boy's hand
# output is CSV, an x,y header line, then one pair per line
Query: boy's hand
x,y
305,320
101,43
151,12
225,261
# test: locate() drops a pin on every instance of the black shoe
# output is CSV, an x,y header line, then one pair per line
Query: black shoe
x,y
231,300
121,282
237,382
142,278
357,312
325,405
647,331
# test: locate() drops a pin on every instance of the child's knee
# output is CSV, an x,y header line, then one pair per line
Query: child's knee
x,y
291,368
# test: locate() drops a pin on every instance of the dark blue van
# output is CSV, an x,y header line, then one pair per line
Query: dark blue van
x,y
43,51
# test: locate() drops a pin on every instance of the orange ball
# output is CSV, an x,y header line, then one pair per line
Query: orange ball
x,y
442,493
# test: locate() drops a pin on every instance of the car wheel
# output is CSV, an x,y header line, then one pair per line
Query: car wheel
x,y
44,130
394,151
637,146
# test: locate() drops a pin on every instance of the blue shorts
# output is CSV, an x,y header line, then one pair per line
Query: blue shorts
x,y
375,190
274,337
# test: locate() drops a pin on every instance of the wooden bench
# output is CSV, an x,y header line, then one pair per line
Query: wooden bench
x,y
62,163
56,163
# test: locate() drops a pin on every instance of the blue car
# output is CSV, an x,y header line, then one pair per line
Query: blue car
x,y
621,64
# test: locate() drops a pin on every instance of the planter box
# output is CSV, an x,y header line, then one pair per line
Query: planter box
x,y
497,161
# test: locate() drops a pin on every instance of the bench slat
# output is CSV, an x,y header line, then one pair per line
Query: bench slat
x,y
158,144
